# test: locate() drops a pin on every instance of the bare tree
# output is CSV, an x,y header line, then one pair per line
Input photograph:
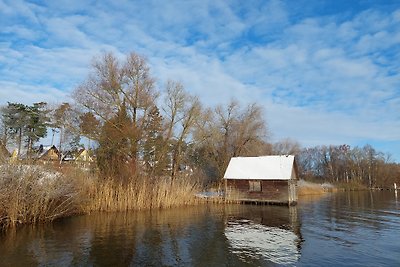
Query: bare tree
x,y
89,126
230,131
100,93
174,104
250,127
286,146
182,112
357,166
114,86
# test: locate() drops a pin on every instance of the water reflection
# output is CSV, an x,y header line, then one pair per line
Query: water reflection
x,y
345,229
196,236
351,229
267,235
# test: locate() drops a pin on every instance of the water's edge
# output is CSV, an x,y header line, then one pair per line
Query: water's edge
x,y
342,229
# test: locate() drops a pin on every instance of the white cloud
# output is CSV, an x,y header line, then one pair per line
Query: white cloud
x,y
19,8
19,32
322,79
28,94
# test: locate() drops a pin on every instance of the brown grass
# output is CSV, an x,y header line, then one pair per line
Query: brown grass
x,y
32,194
141,193
306,191
308,188
29,194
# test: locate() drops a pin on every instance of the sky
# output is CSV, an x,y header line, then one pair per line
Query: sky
x,y
325,72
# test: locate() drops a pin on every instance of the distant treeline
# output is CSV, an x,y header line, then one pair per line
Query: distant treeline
x,y
138,129
348,166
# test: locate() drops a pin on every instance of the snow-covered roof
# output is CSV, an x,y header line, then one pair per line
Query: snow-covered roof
x,y
261,168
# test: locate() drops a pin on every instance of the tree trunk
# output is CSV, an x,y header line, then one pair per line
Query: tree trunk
x,y
19,141
61,138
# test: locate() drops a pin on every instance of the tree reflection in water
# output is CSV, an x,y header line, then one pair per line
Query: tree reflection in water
x,y
191,236
349,228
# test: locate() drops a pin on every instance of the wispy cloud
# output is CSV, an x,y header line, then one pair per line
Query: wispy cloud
x,y
325,73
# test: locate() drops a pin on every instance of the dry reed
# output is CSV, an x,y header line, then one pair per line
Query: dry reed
x,y
31,194
232,196
308,188
141,193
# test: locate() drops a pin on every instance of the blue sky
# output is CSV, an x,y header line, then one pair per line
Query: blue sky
x,y
326,72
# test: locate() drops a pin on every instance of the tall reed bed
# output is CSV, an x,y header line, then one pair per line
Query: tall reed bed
x,y
308,188
32,194
141,193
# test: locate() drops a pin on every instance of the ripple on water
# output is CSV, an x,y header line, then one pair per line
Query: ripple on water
x,y
248,239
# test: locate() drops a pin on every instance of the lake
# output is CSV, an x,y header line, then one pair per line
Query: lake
x,y
343,229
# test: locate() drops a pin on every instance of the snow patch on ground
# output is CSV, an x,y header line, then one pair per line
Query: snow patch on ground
x,y
209,194
41,174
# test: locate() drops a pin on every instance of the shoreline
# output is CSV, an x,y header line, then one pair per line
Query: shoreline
x,y
32,194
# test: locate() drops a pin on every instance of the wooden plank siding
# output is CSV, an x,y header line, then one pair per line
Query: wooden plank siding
x,y
272,191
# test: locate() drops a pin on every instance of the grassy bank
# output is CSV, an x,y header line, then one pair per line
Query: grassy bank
x,y
33,194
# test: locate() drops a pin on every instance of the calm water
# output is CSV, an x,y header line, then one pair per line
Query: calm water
x,y
345,229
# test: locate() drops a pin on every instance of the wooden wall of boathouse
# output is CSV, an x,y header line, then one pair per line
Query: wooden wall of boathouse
x,y
271,191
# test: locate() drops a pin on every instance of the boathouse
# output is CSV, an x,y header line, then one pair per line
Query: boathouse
x,y
266,179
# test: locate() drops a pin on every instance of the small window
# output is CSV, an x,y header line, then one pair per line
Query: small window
x,y
255,186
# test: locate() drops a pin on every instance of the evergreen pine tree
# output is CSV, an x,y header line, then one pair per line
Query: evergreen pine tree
x,y
36,124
